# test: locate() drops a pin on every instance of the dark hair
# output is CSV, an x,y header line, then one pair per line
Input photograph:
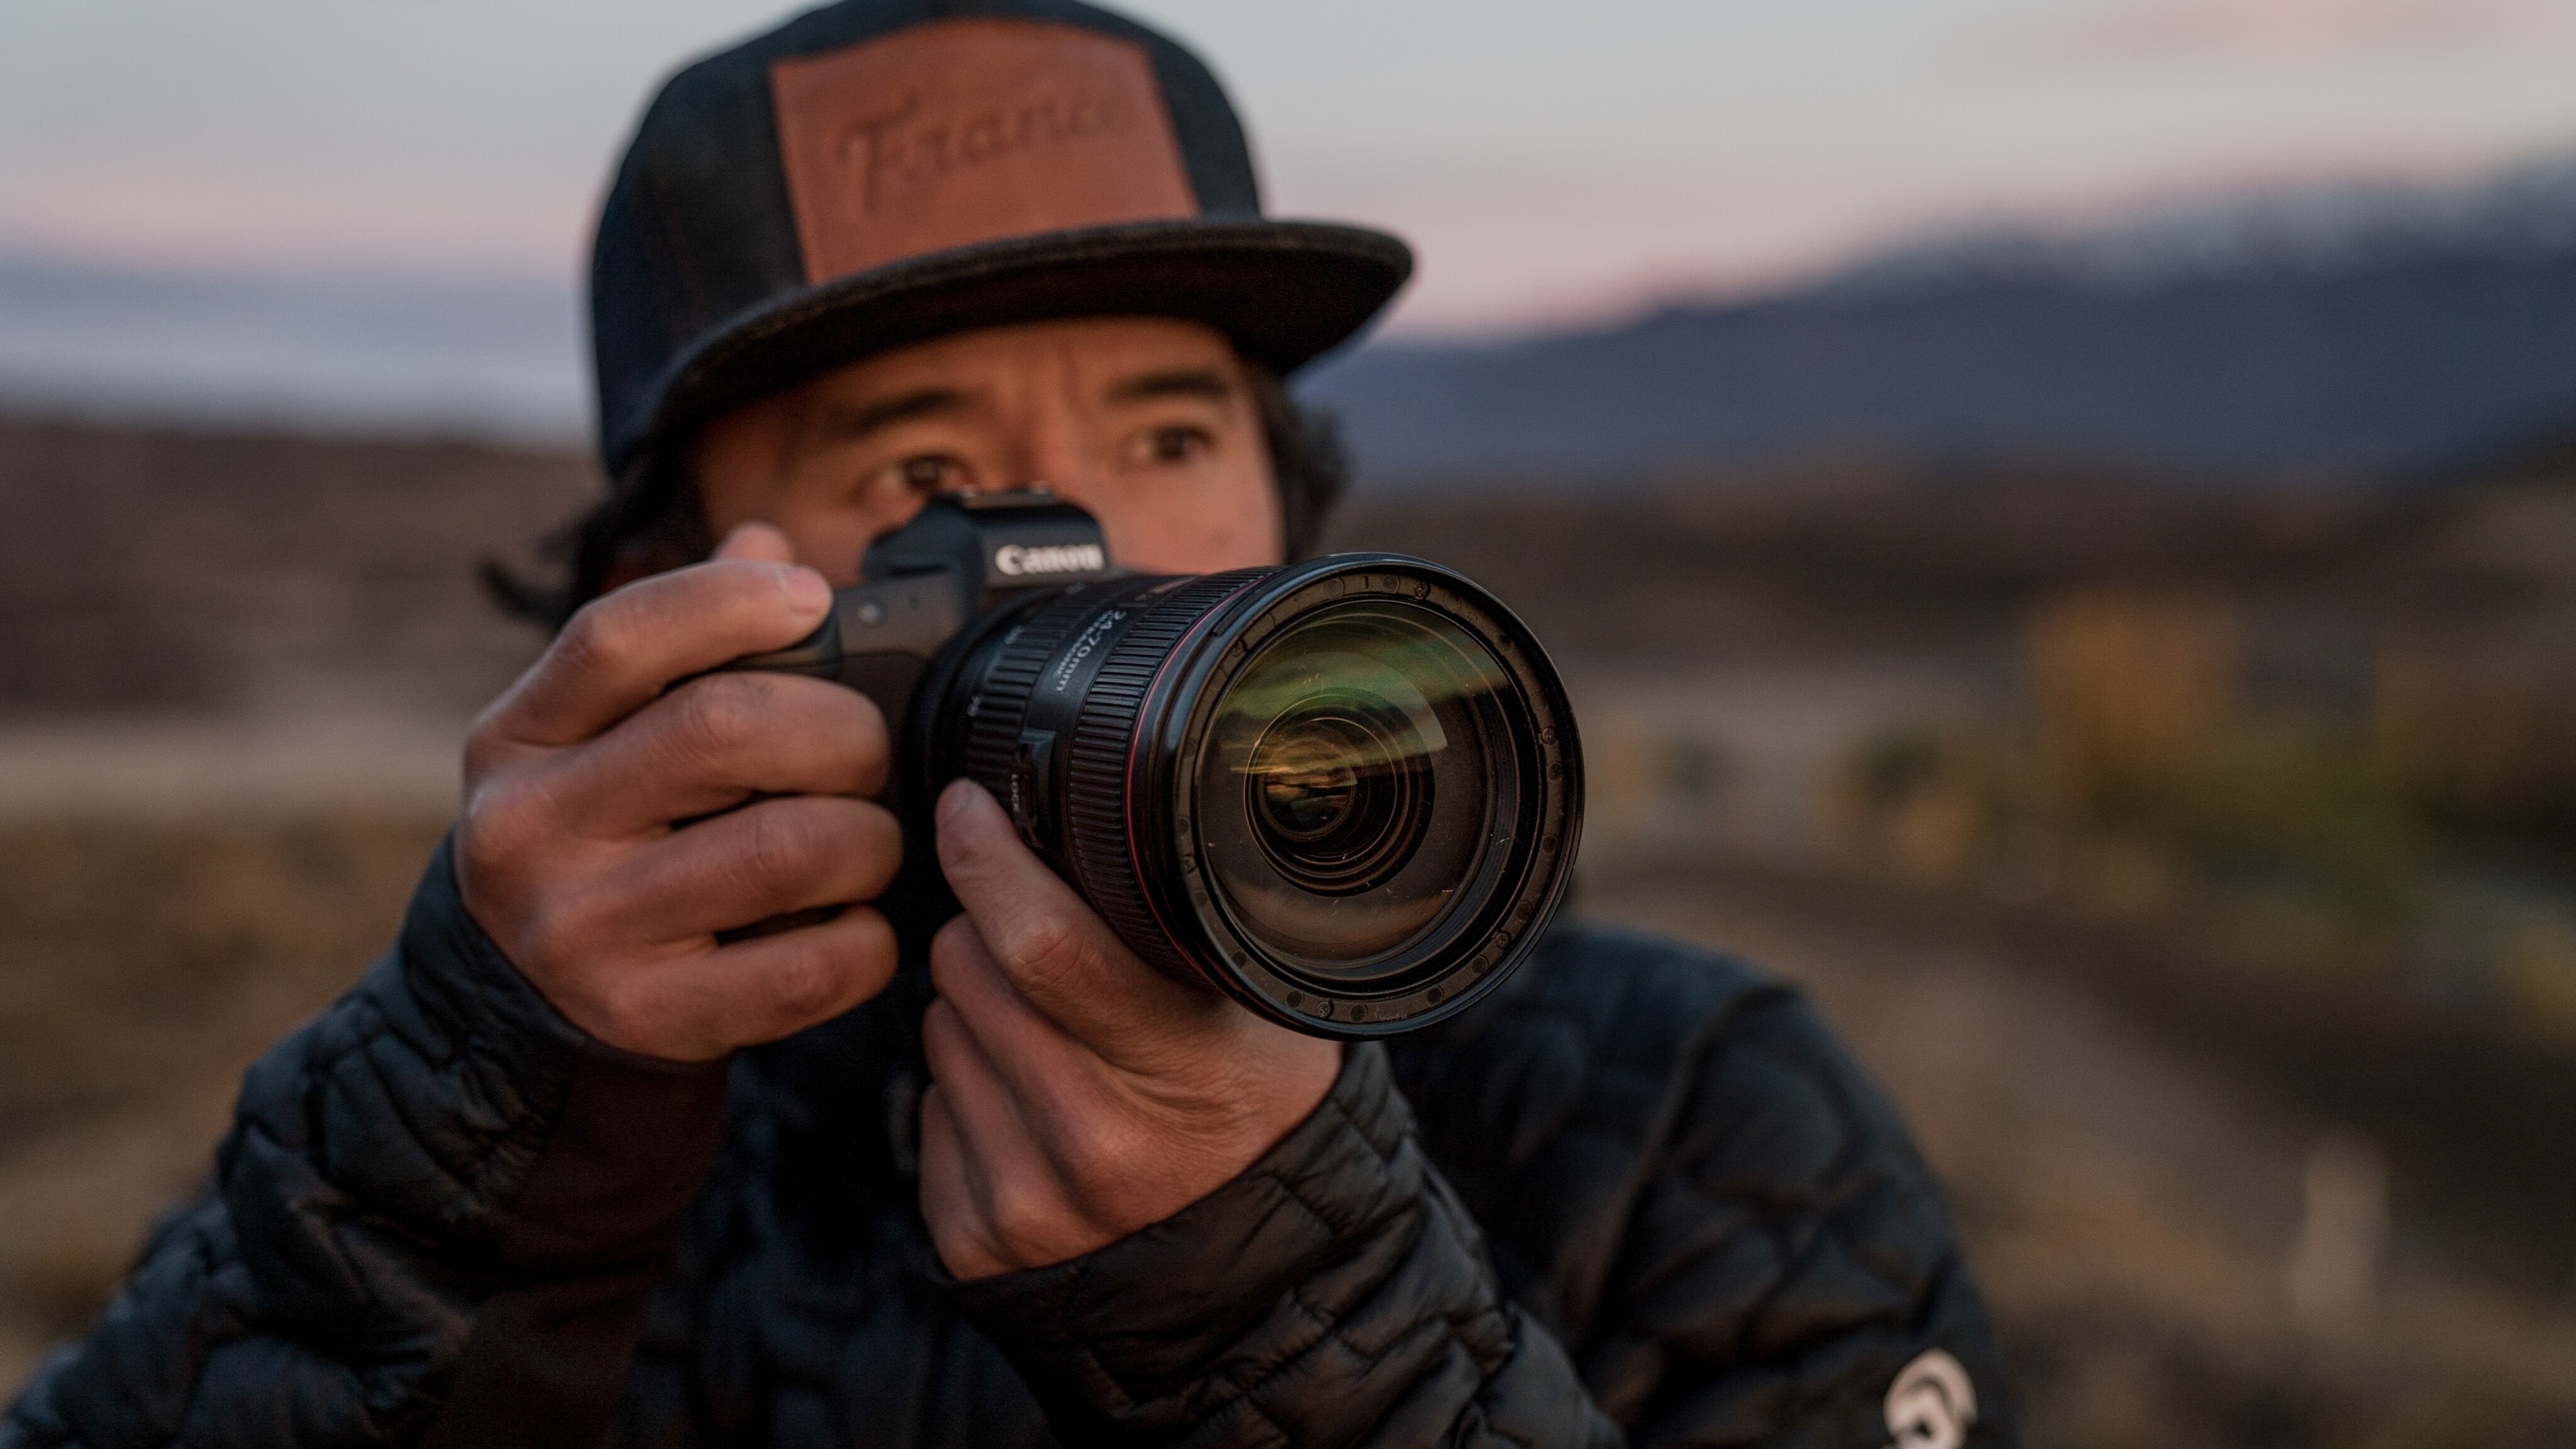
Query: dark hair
x,y
653,520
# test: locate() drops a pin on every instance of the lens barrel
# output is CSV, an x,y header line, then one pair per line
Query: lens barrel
x,y
1345,792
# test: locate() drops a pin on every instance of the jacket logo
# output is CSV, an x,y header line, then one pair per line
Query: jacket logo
x,y
1014,561
1932,1404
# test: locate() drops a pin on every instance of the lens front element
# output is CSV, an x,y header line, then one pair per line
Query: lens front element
x,y
1338,792
1378,796
1356,772
1345,792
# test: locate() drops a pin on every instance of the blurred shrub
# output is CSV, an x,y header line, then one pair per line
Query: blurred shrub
x,y
2128,687
2482,732
2299,810
126,948
2144,788
1928,802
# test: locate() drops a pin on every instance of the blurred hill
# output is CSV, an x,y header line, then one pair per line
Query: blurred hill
x,y
173,572
342,352
2334,332
2324,332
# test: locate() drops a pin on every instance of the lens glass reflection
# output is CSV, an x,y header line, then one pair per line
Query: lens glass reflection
x,y
1353,779
1339,792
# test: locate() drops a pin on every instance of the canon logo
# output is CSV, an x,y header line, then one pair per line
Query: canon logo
x,y
1057,558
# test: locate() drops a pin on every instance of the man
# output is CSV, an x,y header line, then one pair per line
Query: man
x,y
579,1158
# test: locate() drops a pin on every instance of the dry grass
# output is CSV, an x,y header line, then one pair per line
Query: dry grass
x,y
142,967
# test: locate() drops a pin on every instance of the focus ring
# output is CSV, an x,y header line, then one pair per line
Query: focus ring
x,y
1098,842
998,701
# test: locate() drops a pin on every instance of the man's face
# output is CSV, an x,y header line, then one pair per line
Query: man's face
x,y
1146,422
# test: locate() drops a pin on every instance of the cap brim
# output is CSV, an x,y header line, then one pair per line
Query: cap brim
x,y
1285,292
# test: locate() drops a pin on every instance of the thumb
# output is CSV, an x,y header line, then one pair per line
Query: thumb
x,y
1063,958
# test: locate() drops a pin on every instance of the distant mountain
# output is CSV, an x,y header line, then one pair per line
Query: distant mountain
x,y
342,352
2347,330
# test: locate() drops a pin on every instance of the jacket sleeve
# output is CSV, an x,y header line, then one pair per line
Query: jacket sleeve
x,y
438,1201
1334,1294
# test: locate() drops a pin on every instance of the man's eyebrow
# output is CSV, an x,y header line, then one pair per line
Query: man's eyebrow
x,y
854,424
1213,384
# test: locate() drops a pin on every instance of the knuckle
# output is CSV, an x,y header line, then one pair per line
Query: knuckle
x,y
487,742
813,980
555,933
782,843
1092,1150
860,733
1048,946
1041,940
807,984
494,830
626,1015
872,941
721,715
599,637
1021,1212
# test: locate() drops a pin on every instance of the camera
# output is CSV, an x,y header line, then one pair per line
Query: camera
x,y
1344,792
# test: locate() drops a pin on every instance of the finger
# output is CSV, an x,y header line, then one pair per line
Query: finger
x,y
1059,954
699,1006
766,859
987,1111
761,542
1027,1048
956,1194
623,648
1016,1194
947,1194
714,742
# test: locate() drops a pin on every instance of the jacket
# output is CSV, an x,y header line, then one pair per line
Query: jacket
x,y
1638,1195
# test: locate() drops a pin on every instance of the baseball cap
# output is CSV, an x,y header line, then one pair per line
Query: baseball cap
x,y
880,172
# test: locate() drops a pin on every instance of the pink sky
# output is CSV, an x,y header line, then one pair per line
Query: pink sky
x,y
1552,162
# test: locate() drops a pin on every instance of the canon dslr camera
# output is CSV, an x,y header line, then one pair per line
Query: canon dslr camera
x,y
1344,792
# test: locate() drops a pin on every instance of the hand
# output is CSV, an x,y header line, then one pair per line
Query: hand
x,y
568,854
1079,1094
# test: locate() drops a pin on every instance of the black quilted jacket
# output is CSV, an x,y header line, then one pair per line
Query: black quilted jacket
x,y
1639,1194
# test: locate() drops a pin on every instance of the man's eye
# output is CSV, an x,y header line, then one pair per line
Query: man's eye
x,y
931,473
1176,444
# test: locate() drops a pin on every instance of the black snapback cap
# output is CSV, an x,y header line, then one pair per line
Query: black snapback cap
x,y
880,172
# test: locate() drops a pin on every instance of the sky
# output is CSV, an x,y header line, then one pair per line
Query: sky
x,y
393,197
1551,161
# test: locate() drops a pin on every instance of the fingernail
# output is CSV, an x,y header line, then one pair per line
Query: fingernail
x,y
807,591
954,799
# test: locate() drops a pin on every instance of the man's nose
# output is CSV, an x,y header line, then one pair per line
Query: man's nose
x,y
1063,471
1052,455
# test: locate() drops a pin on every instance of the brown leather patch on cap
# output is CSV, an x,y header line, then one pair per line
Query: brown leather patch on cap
x,y
967,130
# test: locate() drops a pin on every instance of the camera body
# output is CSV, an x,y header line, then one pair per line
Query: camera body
x,y
922,585
1345,792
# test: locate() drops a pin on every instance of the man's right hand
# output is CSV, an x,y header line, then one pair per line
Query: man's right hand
x,y
568,854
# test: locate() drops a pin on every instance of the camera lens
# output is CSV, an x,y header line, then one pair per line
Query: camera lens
x,y
1338,792
1361,743
1344,792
